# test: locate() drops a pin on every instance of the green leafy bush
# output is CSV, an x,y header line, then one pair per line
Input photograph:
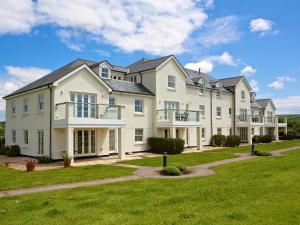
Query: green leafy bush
x,y
44,159
218,140
171,171
3,150
256,139
258,153
2,142
181,167
13,151
233,141
169,145
266,138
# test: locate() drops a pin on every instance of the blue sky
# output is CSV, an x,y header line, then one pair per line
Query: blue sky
x,y
224,38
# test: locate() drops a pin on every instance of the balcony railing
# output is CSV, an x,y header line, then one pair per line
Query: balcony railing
x,y
178,115
68,110
250,119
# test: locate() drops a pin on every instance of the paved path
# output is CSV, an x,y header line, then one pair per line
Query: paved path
x,y
141,172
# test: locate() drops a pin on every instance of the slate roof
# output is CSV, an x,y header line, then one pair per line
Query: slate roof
x,y
256,105
231,81
263,102
195,74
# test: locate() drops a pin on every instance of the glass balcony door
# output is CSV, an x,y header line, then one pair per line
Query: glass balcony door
x,y
84,142
84,105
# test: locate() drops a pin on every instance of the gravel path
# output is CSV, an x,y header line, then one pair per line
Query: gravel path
x,y
141,172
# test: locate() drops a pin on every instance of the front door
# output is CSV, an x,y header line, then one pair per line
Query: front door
x,y
85,142
112,140
244,134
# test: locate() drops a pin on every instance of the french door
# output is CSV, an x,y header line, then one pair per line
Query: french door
x,y
85,142
85,104
112,140
244,134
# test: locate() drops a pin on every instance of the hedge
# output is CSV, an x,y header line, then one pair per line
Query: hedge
x,y
262,138
13,151
218,140
171,171
233,141
169,145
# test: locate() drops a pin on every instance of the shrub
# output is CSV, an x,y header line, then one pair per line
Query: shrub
x,y
169,145
266,138
218,140
256,139
171,171
44,159
179,166
3,150
258,153
13,151
2,142
233,141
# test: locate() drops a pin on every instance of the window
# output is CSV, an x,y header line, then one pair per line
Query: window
x,y
201,83
133,79
40,142
138,135
269,117
171,81
252,130
229,111
243,115
112,101
25,105
114,77
219,131
203,133
139,105
104,72
13,108
119,78
201,91
40,102
13,136
219,111
202,110
243,95
25,137
218,94
84,104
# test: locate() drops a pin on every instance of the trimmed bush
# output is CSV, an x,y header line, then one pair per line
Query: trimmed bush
x,y
233,141
171,171
258,153
44,159
267,138
169,145
2,142
13,151
3,150
218,140
179,166
256,139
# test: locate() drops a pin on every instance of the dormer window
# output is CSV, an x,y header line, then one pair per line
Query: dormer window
x,y
201,83
104,72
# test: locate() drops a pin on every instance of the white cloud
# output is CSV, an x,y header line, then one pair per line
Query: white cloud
x,y
287,105
262,26
16,16
248,71
219,31
206,65
17,77
68,37
254,85
280,81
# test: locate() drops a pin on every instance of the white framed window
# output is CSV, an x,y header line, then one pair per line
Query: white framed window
x,y
243,95
40,142
171,81
112,101
218,93
139,134
13,136
202,110
203,135
219,111
25,105
219,130
104,72
40,102
201,91
13,107
252,130
133,79
139,105
84,104
25,133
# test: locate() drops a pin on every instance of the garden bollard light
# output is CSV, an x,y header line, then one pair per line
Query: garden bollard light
x,y
165,159
252,148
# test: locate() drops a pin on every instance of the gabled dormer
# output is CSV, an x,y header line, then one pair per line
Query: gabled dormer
x,y
105,70
202,83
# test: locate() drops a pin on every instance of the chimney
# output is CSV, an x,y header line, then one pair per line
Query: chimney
x,y
199,70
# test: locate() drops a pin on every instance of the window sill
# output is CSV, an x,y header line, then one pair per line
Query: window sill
x,y
218,97
139,114
219,117
200,94
139,143
171,89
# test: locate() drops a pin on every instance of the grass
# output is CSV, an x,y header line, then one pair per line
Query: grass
x,y
261,191
13,179
262,147
187,159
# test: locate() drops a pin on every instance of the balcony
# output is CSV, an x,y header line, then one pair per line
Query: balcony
x,y
246,120
71,114
177,118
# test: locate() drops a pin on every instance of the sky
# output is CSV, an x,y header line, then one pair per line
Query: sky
x,y
224,38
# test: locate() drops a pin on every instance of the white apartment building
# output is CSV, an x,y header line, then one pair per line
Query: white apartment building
x,y
96,109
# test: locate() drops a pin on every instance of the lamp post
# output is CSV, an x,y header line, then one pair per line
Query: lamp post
x,y
165,159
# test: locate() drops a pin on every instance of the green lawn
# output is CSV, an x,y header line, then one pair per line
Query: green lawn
x,y
262,147
264,191
187,159
12,179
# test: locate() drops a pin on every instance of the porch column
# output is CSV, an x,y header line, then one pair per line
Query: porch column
x,y
172,132
285,130
70,143
263,131
276,131
250,135
199,139
121,143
